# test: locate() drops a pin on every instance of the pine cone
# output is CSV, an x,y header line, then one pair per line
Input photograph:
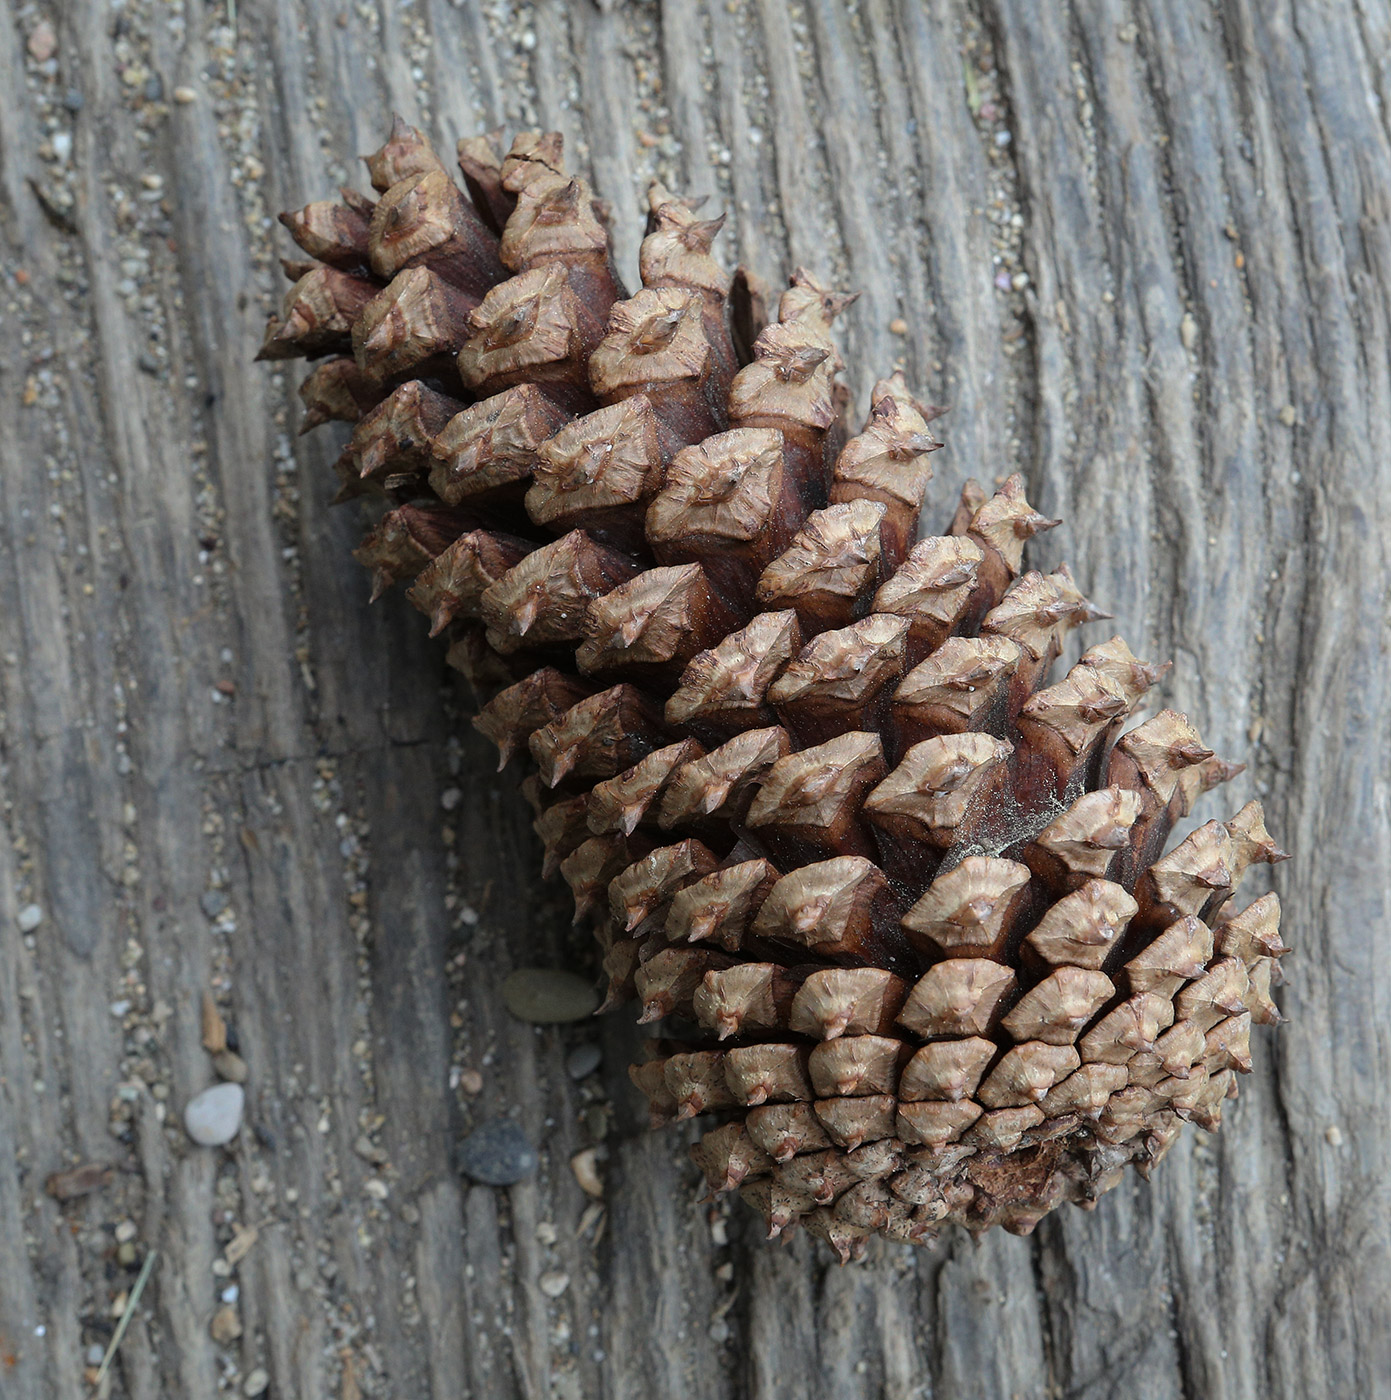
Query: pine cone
x,y
903,906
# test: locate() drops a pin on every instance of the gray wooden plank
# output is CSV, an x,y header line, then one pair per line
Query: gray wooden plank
x,y
1150,148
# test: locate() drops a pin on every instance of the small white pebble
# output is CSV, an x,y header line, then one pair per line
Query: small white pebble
x,y
125,1231
546,1233
29,918
554,1283
1003,138
184,95
213,1117
231,1293
1333,1135
529,40
256,1382
376,1188
1019,281
450,798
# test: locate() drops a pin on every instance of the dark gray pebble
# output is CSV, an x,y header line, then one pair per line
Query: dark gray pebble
x,y
548,995
496,1153
583,1060
214,902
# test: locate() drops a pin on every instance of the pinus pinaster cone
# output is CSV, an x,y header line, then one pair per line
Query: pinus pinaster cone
x,y
903,906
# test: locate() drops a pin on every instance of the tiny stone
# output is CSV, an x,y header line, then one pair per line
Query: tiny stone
x,y
147,363
230,1066
1287,415
497,1153
1019,281
74,100
470,1081
583,1060
213,1117
376,1188
213,902
410,1214
154,88
95,1355
554,1283
29,918
368,1150
127,1255
125,1231
225,1326
544,995
43,42
719,1331
898,326
184,95
546,1233
1188,331
1333,1135
450,798
585,1165
256,1382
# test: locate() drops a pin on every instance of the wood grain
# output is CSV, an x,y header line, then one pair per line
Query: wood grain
x,y
1190,360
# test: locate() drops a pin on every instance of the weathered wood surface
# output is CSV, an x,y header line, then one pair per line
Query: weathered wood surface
x,y
1197,375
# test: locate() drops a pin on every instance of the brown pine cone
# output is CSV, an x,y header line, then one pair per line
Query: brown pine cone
x,y
903,905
